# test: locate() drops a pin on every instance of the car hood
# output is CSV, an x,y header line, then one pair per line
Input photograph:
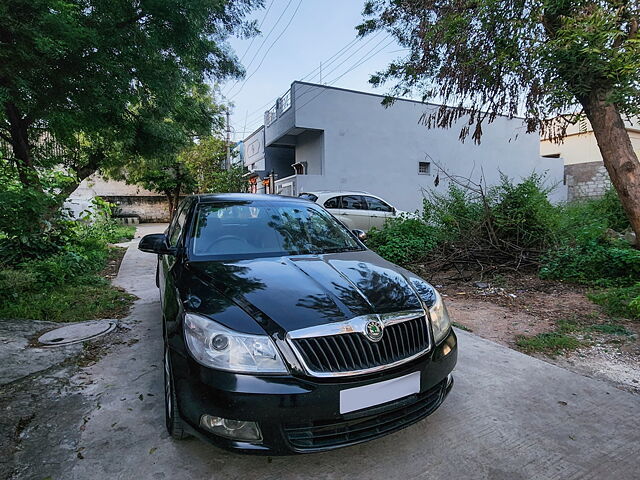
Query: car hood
x,y
302,291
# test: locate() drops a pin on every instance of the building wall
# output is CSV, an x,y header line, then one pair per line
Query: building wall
x,y
254,151
582,147
95,185
586,180
377,149
310,149
280,160
149,209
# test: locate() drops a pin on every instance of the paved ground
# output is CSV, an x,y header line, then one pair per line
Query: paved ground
x,y
509,416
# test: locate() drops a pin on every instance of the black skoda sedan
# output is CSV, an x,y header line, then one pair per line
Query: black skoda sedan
x,y
284,334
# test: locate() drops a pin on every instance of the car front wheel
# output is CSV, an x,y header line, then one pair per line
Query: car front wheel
x,y
175,425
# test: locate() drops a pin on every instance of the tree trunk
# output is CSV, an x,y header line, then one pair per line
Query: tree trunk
x,y
174,199
617,152
19,130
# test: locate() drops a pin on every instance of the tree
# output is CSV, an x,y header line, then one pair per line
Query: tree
x,y
167,175
207,160
158,165
552,61
87,75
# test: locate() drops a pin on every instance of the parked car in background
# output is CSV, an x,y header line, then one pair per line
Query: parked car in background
x,y
357,210
284,334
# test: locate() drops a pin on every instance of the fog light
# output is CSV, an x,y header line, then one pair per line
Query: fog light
x,y
235,429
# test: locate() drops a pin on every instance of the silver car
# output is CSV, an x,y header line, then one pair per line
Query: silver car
x,y
357,210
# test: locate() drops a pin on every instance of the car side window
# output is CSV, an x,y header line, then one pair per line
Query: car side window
x,y
353,202
377,205
178,225
332,203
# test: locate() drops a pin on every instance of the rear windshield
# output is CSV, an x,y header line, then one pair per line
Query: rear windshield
x,y
245,229
308,196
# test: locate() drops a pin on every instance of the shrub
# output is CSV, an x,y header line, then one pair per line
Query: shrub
x,y
583,253
403,240
454,214
592,263
619,302
522,213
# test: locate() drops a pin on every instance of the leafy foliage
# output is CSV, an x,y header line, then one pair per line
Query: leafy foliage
x,y
403,240
85,82
494,231
65,285
207,160
583,253
620,302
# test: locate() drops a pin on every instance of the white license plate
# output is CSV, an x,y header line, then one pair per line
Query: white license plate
x,y
362,397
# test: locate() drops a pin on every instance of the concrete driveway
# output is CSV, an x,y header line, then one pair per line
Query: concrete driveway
x,y
509,416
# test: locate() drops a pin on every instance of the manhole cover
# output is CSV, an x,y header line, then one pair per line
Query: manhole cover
x,y
76,332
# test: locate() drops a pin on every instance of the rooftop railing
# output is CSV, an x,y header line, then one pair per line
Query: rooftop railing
x,y
283,104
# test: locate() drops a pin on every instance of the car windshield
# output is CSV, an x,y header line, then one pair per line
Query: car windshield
x,y
250,229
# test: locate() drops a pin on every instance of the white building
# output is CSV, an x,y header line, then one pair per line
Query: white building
x,y
325,138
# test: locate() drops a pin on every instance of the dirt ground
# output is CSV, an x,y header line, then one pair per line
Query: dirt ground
x,y
506,307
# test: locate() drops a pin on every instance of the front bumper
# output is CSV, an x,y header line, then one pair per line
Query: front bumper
x,y
301,414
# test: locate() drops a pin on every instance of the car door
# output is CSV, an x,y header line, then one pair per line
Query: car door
x,y
353,212
378,211
169,264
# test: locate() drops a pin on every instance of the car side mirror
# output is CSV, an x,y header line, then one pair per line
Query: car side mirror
x,y
156,243
361,234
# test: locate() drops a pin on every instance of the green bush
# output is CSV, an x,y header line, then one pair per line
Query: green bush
x,y
592,263
522,213
583,253
620,301
454,214
403,240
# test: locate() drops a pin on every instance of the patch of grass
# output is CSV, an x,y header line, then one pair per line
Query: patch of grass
x,y
71,303
549,342
68,285
567,326
461,327
610,329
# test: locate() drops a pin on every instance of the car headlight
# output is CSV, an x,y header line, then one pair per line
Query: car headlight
x,y
439,318
216,346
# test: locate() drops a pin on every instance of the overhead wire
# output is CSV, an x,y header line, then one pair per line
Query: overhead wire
x,y
268,50
264,40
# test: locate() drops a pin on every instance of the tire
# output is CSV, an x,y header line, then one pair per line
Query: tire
x,y
175,425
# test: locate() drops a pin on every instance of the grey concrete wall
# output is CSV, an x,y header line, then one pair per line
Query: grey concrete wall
x,y
377,149
586,180
280,160
254,151
148,209
310,149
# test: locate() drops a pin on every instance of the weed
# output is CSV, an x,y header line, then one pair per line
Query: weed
x,y
610,329
552,343
619,302
461,327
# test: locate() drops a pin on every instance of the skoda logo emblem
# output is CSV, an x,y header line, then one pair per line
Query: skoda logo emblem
x,y
373,330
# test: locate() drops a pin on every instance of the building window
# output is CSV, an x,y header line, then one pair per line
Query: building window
x,y
424,168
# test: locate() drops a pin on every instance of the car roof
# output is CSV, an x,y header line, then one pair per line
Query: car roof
x,y
216,197
338,192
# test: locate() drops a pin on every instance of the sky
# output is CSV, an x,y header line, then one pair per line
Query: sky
x,y
297,35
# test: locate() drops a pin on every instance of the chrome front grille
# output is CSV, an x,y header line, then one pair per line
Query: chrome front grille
x,y
344,348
